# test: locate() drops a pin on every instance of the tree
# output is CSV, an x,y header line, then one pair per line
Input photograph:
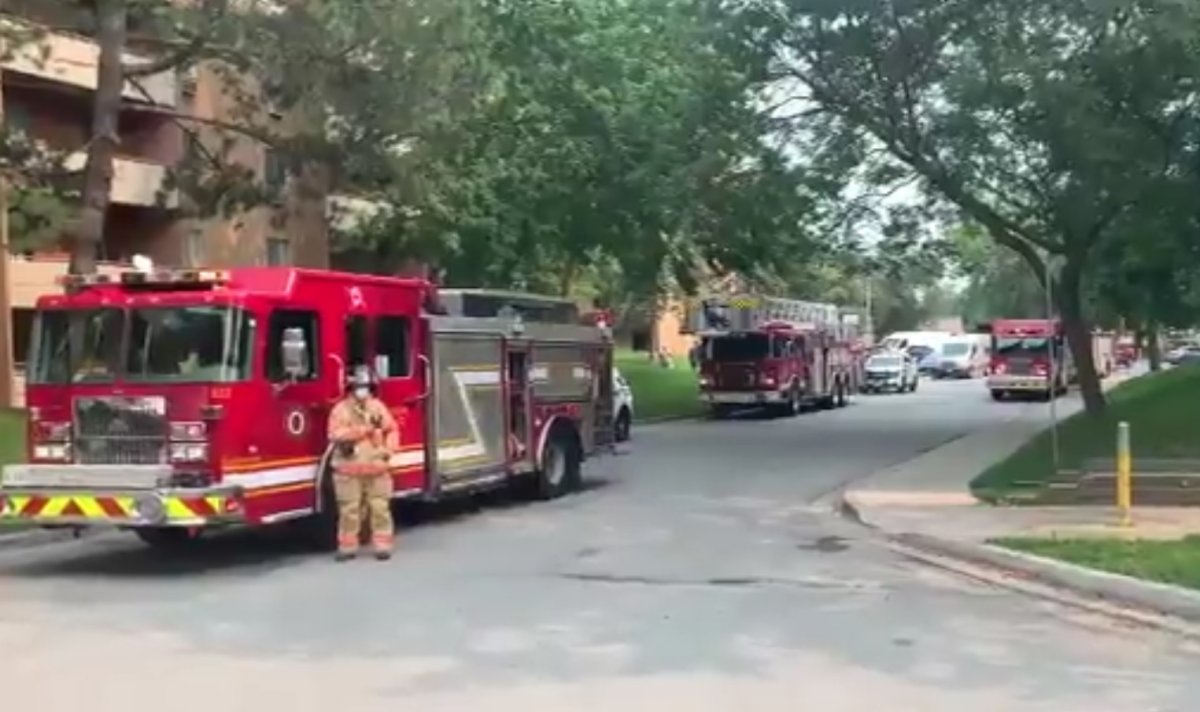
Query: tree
x,y
335,89
999,284
1045,122
613,134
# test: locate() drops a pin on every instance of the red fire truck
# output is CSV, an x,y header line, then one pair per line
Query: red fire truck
x,y
167,402
784,354
1030,356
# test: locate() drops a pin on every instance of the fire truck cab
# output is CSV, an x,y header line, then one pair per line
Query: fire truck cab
x,y
783,354
171,401
1029,356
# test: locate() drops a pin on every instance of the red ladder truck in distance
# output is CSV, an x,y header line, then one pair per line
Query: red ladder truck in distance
x,y
782,354
168,402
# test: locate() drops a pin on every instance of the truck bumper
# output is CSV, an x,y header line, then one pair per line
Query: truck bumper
x,y
743,397
24,499
1038,384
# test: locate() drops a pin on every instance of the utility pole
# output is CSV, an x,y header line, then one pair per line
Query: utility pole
x,y
6,322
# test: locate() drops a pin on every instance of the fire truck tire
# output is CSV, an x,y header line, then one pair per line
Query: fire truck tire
x,y
562,463
998,395
320,529
166,538
622,426
720,411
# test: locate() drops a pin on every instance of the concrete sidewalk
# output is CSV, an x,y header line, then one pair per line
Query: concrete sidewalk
x,y
926,509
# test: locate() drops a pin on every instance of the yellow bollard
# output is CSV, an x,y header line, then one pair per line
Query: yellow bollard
x,y
1124,475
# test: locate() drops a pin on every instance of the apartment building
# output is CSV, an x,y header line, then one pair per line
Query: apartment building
x,y
47,89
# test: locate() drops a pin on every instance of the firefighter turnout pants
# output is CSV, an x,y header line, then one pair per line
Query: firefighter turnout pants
x,y
356,494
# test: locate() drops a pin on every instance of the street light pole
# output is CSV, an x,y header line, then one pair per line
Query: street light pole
x,y
1054,367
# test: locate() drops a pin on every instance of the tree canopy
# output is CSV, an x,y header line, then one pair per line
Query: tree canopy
x,y
1047,123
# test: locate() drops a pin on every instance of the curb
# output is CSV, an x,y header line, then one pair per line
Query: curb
x,y
1125,599
1129,600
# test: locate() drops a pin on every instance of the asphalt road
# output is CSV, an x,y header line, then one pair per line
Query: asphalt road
x,y
695,573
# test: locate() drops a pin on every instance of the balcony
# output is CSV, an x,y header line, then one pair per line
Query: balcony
x,y
70,60
135,182
32,277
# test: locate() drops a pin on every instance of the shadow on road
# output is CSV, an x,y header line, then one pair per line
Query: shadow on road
x,y
241,550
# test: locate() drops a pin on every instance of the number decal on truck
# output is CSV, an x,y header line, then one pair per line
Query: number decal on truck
x,y
297,423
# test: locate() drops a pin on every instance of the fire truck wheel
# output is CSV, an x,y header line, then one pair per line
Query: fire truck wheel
x,y
166,538
720,411
560,472
319,530
622,426
998,395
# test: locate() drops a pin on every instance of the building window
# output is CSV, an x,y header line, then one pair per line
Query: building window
x,y
22,329
391,346
282,320
275,173
193,247
279,251
17,118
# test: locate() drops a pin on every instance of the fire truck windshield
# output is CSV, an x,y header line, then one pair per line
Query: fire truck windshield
x,y
1016,345
739,347
191,344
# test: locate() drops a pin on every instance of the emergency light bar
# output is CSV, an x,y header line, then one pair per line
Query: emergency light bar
x,y
158,277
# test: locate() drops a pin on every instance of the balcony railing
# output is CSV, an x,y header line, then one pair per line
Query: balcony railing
x,y
135,182
71,59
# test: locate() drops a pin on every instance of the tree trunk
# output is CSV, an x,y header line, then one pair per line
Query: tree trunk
x,y
106,110
1079,336
1153,352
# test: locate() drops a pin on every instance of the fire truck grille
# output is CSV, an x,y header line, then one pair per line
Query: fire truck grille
x,y
120,431
734,377
1020,366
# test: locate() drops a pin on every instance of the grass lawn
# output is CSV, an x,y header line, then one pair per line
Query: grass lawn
x,y
1163,412
660,392
12,443
12,436
1174,562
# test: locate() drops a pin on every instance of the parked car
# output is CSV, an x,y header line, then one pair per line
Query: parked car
x,y
622,407
891,371
1183,355
927,359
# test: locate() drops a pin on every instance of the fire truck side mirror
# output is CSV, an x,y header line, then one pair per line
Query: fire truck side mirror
x,y
294,350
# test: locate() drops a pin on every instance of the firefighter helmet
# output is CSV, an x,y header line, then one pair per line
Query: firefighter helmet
x,y
361,376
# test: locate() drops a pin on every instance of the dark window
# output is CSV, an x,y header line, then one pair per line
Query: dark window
x,y
279,251
281,320
739,347
22,332
76,346
356,341
780,347
391,346
275,172
195,344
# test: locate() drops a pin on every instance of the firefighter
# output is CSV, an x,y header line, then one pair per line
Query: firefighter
x,y
365,435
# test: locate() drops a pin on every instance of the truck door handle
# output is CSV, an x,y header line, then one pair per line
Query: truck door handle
x,y
427,367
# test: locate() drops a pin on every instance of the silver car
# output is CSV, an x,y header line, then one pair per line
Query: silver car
x,y
893,371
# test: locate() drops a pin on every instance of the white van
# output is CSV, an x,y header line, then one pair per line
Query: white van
x,y
965,356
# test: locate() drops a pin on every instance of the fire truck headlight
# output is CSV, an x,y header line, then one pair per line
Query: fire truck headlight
x,y
188,431
60,452
705,381
189,452
150,508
